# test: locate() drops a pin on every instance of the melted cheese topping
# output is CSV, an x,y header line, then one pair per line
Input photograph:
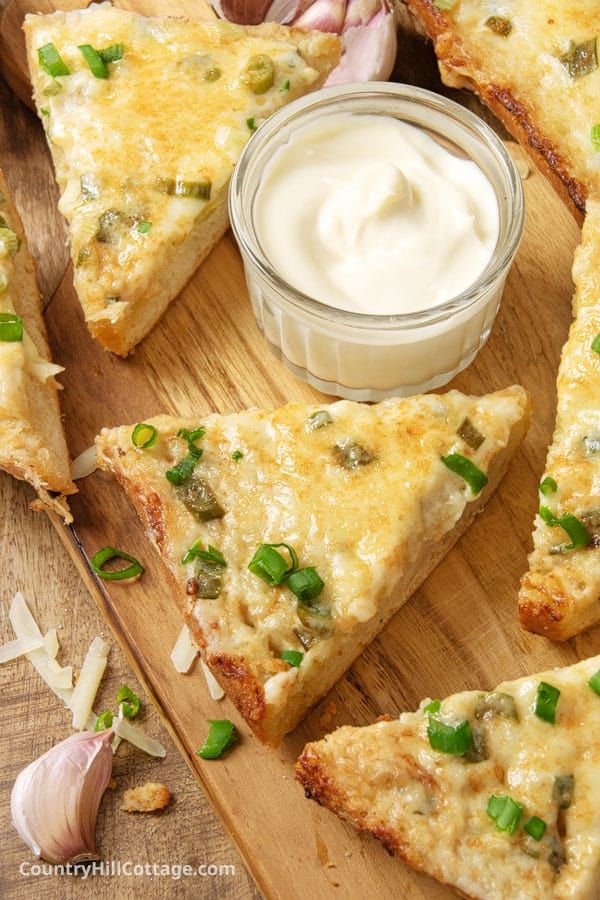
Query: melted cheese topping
x,y
572,461
156,118
528,62
361,528
434,804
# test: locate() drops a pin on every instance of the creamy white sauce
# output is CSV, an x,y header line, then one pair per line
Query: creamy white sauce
x,y
370,214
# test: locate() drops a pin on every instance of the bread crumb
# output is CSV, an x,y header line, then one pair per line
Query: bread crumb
x,y
328,714
147,798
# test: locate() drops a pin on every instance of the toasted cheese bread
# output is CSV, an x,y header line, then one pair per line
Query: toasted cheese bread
x,y
359,492
432,807
143,154
32,443
536,66
560,594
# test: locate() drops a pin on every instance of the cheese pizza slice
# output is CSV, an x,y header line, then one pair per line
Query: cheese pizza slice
x,y
32,443
145,118
293,535
536,66
494,794
560,594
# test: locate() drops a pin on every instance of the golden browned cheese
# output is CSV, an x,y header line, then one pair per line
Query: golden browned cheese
x,y
560,594
143,157
536,65
430,807
373,530
32,444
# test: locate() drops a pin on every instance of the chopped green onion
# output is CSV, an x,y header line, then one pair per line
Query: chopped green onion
x,y
51,62
575,528
220,738
293,657
211,555
505,812
545,702
596,344
306,584
237,455
259,73
318,419
562,791
271,566
105,555
455,739
129,702
111,54
580,59
285,86
251,123
11,328
548,486
10,240
182,471
433,707
596,138
144,436
95,62
499,25
475,478
594,682
471,435
535,827
53,89
45,111
104,720
144,227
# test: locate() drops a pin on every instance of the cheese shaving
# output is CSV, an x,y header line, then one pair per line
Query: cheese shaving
x,y
129,732
214,688
13,649
62,678
85,464
87,686
51,643
185,651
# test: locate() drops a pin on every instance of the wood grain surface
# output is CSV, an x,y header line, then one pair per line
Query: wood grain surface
x,y
459,631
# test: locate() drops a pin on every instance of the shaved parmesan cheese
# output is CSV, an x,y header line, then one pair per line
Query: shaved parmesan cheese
x,y
62,678
214,688
51,643
185,651
25,626
87,686
13,649
129,732
86,462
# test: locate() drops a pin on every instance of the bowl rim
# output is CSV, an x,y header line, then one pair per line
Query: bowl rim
x,y
508,243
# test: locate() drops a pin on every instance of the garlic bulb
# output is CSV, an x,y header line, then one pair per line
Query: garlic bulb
x,y
54,801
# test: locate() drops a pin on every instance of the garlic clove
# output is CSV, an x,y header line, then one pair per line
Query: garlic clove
x,y
360,12
369,51
243,12
323,15
285,11
54,801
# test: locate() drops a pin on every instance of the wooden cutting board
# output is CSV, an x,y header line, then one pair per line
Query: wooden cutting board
x,y
459,631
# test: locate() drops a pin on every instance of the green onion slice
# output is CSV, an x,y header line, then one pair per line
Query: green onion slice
x,y
211,555
111,54
535,827
103,556
221,736
53,89
505,812
271,566
144,436
575,528
95,62
306,584
259,73
455,739
285,86
596,138
237,455
51,62
182,471
475,478
104,721
11,328
433,707
548,486
251,123
596,344
129,702
594,682
545,702
293,657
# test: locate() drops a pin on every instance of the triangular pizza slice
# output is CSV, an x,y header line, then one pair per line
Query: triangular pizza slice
x,y
32,443
494,794
560,594
536,66
293,535
146,118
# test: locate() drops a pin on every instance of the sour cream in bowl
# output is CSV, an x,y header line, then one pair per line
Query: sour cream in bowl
x,y
377,227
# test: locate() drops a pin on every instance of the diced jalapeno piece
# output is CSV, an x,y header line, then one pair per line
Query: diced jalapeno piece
x,y
199,499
